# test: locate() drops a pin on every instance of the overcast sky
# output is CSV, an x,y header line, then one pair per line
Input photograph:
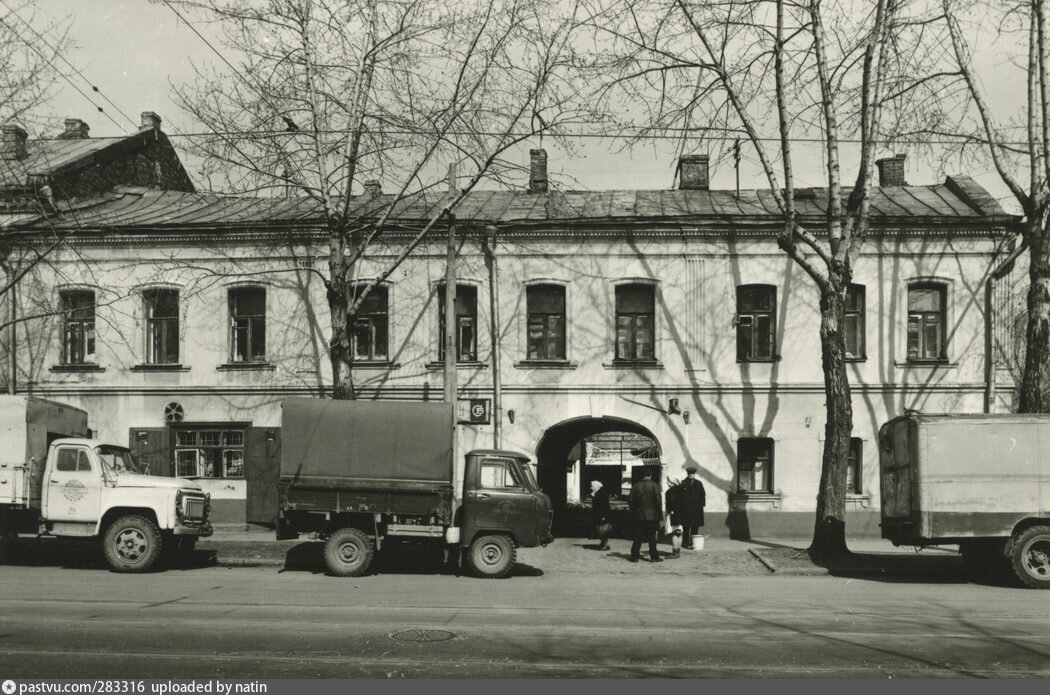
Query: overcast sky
x,y
132,50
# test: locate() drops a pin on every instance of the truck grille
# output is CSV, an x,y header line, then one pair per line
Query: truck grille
x,y
194,509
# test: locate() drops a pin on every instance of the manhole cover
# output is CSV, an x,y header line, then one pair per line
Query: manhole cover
x,y
423,635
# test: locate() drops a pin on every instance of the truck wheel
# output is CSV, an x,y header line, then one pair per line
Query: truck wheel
x,y
132,544
348,552
491,557
1031,557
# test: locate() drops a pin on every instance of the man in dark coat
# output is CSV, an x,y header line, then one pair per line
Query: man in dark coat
x,y
600,514
647,509
692,499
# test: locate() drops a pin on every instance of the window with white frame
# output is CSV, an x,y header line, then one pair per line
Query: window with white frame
x,y
78,326
853,327
247,324
209,452
754,465
854,467
545,305
635,321
369,336
162,326
756,307
466,310
926,322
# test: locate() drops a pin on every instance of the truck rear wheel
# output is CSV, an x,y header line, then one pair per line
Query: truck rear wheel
x,y
491,557
348,552
1031,557
132,543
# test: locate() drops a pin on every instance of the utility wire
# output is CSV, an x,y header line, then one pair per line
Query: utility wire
x,y
71,66
672,134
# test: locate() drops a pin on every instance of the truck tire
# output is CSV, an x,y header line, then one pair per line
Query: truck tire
x,y
491,557
132,543
348,552
1031,557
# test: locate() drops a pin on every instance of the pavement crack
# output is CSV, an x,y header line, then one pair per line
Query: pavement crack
x,y
164,603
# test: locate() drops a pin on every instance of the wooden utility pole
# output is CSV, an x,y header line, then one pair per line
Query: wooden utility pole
x,y
497,391
450,329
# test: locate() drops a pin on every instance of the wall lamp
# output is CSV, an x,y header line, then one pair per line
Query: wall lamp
x,y
672,407
510,415
685,416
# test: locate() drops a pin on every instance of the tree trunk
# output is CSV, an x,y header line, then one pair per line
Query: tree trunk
x,y
829,531
1037,343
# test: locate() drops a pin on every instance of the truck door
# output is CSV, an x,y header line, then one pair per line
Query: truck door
x,y
501,499
73,486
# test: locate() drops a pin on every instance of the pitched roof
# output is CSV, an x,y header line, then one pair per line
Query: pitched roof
x,y
958,200
46,157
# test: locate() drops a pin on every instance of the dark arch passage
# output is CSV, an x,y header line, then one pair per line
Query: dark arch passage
x,y
561,444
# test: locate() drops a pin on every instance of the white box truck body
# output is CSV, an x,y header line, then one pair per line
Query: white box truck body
x,y
979,481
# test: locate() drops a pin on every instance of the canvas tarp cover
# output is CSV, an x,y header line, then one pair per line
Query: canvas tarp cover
x,y
366,440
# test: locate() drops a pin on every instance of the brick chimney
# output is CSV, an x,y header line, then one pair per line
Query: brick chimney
x,y
373,188
693,172
13,142
150,121
538,171
76,129
891,170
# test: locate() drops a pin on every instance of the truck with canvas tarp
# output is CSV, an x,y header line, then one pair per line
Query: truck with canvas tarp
x,y
979,481
56,481
360,474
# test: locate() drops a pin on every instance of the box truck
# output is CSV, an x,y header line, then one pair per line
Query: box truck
x,y
55,481
979,481
360,473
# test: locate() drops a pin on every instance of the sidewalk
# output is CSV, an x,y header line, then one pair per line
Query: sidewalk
x,y
240,546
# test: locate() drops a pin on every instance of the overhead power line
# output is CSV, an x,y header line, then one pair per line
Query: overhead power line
x,y
671,134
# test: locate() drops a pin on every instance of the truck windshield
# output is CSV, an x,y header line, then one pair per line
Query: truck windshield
x,y
529,477
117,459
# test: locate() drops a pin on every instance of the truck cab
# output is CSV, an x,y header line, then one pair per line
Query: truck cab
x,y
500,495
86,483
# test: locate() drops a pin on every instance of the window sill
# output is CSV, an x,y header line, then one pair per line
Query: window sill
x,y
246,367
862,358
633,364
545,364
928,364
77,368
436,366
855,500
385,366
740,500
756,360
160,368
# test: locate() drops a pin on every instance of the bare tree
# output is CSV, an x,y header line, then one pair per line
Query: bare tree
x,y
330,95
721,71
979,124
29,52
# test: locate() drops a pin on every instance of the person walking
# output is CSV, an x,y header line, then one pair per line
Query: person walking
x,y
600,514
647,509
692,499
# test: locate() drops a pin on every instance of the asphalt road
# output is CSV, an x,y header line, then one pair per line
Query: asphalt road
x,y
264,623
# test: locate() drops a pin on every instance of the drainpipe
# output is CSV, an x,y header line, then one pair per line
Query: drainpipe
x,y
12,345
989,322
497,390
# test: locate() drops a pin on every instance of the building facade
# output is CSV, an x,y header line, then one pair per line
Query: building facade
x,y
180,321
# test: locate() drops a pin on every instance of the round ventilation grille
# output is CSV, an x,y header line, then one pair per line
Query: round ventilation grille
x,y
173,412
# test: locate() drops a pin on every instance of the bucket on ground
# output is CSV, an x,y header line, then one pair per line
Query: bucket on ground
x,y
698,542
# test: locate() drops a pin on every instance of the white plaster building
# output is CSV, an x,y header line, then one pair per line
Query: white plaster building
x,y
184,319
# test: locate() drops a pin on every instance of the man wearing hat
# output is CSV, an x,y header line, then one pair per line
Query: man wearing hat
x,y
692,499
647,508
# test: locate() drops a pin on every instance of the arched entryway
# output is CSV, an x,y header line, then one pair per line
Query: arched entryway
x,y
572,453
